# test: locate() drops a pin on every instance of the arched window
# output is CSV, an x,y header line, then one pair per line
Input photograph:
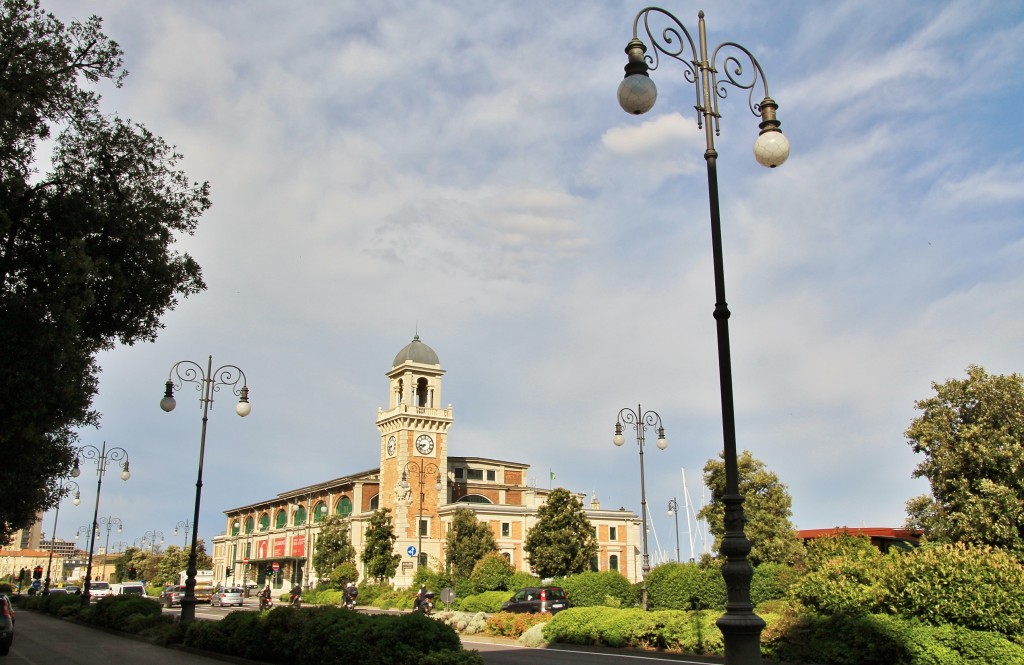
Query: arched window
x,y
264,522
235,527
300,516
375,502
282,520
422,393
319,512
250,524
344,507
474,498
613,562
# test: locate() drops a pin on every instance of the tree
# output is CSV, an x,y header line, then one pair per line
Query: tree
x,y
971,433
174,561
467,542
767,507
86,257
492,572
333,546
379,559
561,542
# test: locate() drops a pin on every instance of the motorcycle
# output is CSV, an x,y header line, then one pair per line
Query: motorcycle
x,y
426,604
265,603
349,599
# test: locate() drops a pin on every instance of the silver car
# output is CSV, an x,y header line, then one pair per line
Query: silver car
x,y
228,596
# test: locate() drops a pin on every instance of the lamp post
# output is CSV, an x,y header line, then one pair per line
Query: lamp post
x,y
673,510
641,420
108,522
119,546
206,384
151,536
741,628
65,487
102,456
186,525
421,470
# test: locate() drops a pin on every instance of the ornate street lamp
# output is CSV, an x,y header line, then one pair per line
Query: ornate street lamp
x,y
421,470
673,510
102,457
186,525
641,420
206,385
65,488
151,537
741,628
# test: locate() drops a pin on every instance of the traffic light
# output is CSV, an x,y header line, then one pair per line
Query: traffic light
x,y
22,574
37,573
228,574
132,573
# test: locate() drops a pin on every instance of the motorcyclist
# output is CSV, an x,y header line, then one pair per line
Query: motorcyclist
x,y
264,596
349,595
421,595
296,596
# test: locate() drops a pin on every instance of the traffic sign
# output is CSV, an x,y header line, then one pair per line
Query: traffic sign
x,y
245,561
411,551
276,566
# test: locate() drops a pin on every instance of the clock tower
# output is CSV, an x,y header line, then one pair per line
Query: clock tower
x,y
414,456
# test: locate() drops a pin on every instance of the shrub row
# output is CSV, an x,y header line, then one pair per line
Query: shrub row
x,y
689,632
328,636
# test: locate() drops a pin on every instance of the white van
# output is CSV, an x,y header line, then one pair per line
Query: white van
x,y
127,589
98,590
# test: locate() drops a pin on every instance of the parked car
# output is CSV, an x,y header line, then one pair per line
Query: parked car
x,y
128,589
99,590
229,596
57,591
6,625
549,599
172,595
70,588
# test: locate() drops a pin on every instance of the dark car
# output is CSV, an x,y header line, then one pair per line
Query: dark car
x,y
172,595
549,599
6,625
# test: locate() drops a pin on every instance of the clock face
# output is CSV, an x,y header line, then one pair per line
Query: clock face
x,y
392,446
424,444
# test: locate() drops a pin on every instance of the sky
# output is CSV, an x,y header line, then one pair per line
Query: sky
x,y
462,171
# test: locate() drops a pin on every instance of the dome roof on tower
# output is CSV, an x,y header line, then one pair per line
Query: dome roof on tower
x,y
417,352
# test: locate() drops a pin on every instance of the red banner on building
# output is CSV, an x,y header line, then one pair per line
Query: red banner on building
x,y
261,549
298,546
279,546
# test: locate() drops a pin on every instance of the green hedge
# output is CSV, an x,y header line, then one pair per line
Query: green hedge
x,y
884,640
591,589
488,601
329,636
685,586
689,632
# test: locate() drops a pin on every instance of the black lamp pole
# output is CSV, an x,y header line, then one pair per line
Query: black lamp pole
x,y
673,510
641,420
65,487
422,470
741,627
102,457
206,384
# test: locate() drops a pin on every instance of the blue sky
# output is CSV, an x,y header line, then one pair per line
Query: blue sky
x,y
463,169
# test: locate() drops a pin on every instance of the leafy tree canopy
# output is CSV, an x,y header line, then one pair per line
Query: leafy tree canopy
x,y
767,507
971,433
86,248
561,542
468,541
379,559
333,546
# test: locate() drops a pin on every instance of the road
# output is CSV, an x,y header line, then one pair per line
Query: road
x,y
44,640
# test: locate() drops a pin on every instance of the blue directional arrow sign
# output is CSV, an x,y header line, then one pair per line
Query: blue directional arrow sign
x,y
411,551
